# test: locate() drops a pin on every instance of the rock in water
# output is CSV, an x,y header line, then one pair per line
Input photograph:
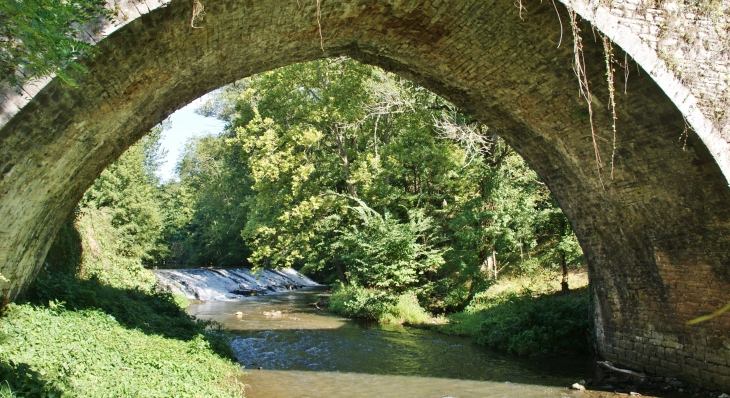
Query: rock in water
x,y
273,314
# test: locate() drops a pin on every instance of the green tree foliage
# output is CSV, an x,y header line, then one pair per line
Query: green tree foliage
x,y
122,219
209,202
384,253
41,37
439,197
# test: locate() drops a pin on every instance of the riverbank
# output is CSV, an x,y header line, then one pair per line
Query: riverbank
x,y
524,316
518,315
528,316
76,337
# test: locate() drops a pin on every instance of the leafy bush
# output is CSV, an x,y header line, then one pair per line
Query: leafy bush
x,y
103,256
384,253
378,305
528,315
363,303
406,310
19,380
523,325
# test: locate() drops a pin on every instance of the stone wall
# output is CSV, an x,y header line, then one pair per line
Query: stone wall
x,y
685,50
655,235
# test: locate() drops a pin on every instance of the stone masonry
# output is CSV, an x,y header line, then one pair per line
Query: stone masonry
x,y
656,235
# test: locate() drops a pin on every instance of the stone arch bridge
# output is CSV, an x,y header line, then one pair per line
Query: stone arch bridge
x,y
656,235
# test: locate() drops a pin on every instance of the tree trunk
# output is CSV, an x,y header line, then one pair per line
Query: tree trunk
x,y
494,263
340,271
342,152
564,283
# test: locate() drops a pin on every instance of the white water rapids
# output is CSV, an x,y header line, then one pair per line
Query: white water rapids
x,y
230,284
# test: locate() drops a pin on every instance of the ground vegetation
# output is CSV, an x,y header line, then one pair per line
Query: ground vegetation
x,y
92,323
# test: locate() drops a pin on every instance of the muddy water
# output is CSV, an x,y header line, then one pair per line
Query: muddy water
x,y
291,349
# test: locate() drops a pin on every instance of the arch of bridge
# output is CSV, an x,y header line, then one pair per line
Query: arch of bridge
x,y
655,236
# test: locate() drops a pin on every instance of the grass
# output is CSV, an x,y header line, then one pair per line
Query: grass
x,y
82,338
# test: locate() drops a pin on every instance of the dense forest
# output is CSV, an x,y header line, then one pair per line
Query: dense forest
x,y
343,171
362,180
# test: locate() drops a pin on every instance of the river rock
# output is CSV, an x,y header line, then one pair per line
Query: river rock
x,y
577,386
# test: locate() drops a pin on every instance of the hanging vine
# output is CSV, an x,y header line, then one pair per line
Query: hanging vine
x,y
319,25
608,52
197,13
583,87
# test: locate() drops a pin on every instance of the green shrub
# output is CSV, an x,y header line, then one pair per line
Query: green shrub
x,y
19,380
104,256
377,305
383,252
525,325
358,302
406,310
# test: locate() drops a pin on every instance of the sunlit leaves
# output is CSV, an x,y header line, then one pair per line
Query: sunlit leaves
x,y
42,37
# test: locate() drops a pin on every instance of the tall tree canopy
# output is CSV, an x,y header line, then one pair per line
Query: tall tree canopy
x,y
345,170
339,169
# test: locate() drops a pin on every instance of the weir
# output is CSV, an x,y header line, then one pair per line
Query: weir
x,y
230,284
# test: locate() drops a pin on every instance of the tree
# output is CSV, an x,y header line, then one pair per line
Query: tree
x,y
382,252
439,197
41,37
209,203
128,191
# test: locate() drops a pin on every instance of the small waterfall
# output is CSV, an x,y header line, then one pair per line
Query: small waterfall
x,y
230,284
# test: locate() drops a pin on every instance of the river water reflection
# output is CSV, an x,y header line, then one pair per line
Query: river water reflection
x,y
304,352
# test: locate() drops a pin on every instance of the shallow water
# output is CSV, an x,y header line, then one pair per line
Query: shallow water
x,y
304,352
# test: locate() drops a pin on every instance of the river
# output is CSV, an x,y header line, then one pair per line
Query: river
x,y
305,352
